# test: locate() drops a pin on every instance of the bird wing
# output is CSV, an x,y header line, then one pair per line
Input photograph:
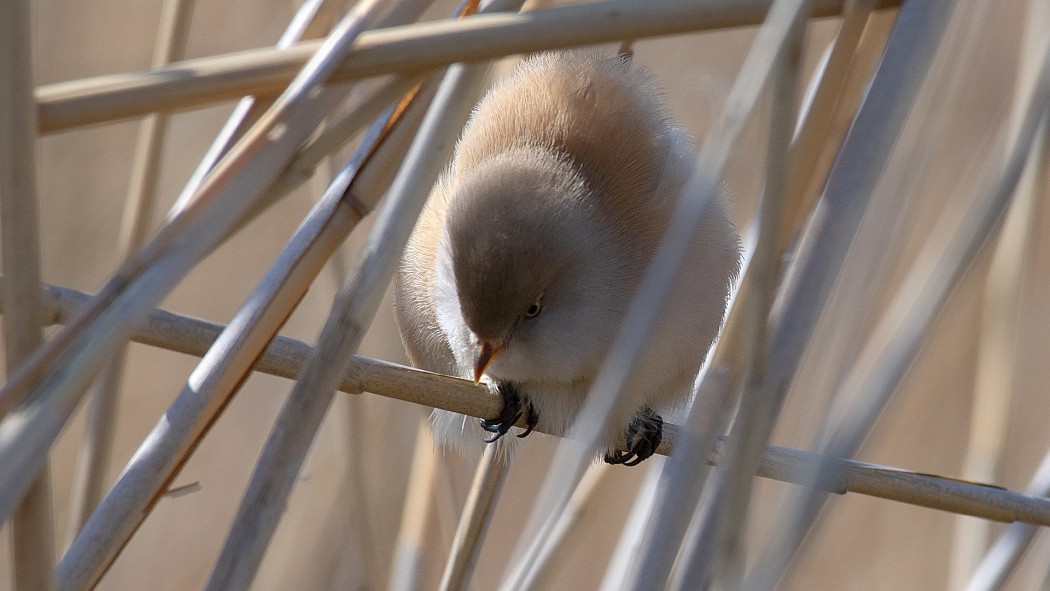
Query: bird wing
x,y
417,320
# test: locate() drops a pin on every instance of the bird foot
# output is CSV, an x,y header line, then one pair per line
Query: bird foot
x,y
513,407
643,437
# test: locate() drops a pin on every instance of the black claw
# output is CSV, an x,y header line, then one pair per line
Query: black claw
x,y
513,408
531,420
643,438
618,457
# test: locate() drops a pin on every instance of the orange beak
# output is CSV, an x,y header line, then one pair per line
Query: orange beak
x,y
485,355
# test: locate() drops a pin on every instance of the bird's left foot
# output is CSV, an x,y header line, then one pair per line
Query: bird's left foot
x,y
513,408
643,438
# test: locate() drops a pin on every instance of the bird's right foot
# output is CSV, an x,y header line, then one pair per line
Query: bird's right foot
x,y
514,406
643,438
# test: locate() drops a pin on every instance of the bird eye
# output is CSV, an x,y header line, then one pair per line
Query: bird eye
x,y
534,309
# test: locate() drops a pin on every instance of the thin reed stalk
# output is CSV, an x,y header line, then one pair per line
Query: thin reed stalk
x,y
33,520
994,570
551,557
952,246
411,48
285,357
411,545
356,451
93,463
682,480
224,199
725,558
617,571
849,185
829,94
865,150
355,306
224,368
474,522
1000,332
312,20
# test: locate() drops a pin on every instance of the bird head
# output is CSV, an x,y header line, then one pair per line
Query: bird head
x,y
533,268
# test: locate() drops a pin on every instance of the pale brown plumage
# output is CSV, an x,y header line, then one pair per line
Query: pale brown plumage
x,y
525,259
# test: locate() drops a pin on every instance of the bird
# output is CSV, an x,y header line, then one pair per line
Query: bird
x,y
534,239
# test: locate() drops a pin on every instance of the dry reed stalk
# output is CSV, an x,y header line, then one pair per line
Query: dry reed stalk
x,y
225,367
356,449
224,199
312,20
829,96
994,570
849,186
93,461
33,520
994,376
683,478
285,357
876,248
576,451
410,547
551,557
1003,556
834,89
725,558
679,495
355,306
296,408
852,294
617,570
713,398
423,46
474,522
997,361
952,245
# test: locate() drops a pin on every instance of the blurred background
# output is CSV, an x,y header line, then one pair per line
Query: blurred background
x,y
343,517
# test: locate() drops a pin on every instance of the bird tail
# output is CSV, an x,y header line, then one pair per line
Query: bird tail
x,y
465,436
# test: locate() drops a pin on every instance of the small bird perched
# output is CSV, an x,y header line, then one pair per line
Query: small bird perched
x,y
526,257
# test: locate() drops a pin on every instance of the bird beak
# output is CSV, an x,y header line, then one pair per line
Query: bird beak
x,y
485,355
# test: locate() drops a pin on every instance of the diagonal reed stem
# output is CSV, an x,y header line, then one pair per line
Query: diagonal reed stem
x,y
725,559
93,461
312,20
226,196
485,490
712,403
357,302
997,363
223,369
952,246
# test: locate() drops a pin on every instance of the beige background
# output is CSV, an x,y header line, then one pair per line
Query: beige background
x,y
866,544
